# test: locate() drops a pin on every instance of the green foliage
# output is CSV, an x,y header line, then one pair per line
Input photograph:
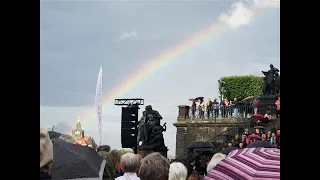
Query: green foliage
x,y
240,87
125,150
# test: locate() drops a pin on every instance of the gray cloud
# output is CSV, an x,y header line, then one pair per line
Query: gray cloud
x,y
77,36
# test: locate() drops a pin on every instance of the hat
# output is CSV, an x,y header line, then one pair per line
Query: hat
x,y
46,147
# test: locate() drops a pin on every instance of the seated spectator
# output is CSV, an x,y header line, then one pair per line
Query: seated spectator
x,y
215,160
68,138
154,167
46,154
130,165
177,171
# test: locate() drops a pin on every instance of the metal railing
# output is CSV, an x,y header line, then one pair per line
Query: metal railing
x,y
221,138
211,112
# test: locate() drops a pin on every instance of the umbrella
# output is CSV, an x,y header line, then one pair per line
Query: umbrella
x,y
200,145
75,162
248,163
248,98
53,134
254,136
258,127
226,151
258,116
258,144
198,98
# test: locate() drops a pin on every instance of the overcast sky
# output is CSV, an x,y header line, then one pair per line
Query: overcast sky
x,y
77,36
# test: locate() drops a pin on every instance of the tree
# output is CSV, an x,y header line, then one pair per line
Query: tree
x,y
240,87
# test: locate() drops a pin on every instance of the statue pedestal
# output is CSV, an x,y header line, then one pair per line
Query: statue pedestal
x,y
144,150
267,103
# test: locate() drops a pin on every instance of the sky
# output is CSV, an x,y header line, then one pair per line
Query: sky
x,y
77,36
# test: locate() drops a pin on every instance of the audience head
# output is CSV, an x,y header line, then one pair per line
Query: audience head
x,y
130,162
46,150
105,148
68,138
177,171
116,157
215,160
154,166
194,176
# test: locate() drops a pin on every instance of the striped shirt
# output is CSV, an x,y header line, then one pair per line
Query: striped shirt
x,y
128,176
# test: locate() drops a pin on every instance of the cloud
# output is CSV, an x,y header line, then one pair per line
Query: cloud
x,y
128,35
241,13
77,37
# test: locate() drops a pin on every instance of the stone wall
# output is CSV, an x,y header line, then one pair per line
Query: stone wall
x,y
189,131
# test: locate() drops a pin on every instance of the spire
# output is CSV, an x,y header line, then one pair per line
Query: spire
x,y
78,119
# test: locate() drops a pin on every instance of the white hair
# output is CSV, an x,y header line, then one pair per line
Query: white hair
x,y
130,162
177,171
215,160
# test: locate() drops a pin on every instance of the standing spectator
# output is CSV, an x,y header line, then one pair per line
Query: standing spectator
x,y
46,154
177,171
130,165
227,104
278,107
255,106
193,109
209,107
201,108
154,167
215,106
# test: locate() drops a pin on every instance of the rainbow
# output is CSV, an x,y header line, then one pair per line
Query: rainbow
x,y
155,64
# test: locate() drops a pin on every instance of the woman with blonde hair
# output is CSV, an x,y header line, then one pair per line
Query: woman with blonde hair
x,y
177,171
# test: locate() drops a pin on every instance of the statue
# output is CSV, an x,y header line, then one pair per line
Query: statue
x,y
269,86
150,129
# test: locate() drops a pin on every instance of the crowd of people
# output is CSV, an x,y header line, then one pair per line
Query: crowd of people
x,y
227,108
127,165
124,165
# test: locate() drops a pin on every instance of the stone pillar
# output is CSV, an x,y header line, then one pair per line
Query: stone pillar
x,y
183,112
267,103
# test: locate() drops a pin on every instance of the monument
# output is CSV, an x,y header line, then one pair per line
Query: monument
x,y
150,133
271,87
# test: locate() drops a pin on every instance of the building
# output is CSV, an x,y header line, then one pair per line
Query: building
x,y
78,134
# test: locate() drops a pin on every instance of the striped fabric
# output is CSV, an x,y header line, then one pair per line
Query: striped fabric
x,y
248,164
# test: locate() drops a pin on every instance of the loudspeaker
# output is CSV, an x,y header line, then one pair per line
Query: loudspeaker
x,y
129,131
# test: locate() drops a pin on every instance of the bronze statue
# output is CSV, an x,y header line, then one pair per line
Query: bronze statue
x,y
149,129
269,86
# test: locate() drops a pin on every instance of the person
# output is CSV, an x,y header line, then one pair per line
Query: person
x,y
177,171
194,176
193,109
278,107
113,159
154,166
215,106
215,160
46,154
197,161
130,166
